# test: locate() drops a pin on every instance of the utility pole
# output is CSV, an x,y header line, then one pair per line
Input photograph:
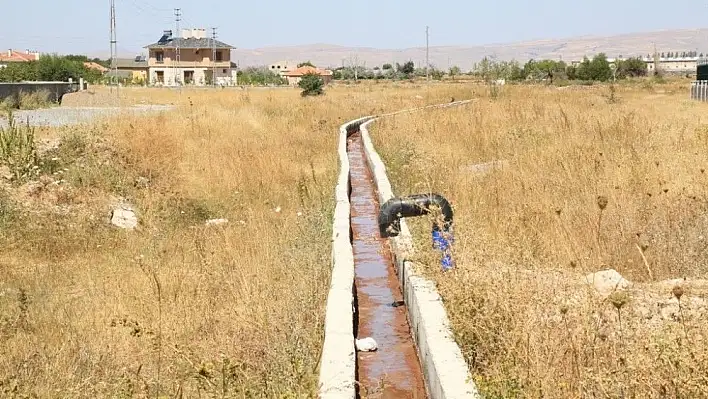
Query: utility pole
x,y
656,61
114,48
213,57
178,37
427,54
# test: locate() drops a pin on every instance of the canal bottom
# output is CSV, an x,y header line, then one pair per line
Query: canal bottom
x,y
393,370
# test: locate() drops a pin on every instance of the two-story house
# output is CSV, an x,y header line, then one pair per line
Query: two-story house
x,y
201,61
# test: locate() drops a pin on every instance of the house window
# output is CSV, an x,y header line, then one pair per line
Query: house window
x,y
160,76
188,77
160,56
223,71
219,56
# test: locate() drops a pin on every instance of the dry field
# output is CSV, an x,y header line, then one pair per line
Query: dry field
x,y
585,182
176,308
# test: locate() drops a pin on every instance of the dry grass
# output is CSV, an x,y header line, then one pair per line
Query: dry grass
x,y
588,184
175,308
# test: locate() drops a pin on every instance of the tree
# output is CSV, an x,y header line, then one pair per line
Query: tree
x,y
597,69
406,69
571,72
386,67
49,68
631,67
259,76
544,69
306,63
311,85
454,71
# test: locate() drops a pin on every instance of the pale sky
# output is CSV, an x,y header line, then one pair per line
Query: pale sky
x,y
81,26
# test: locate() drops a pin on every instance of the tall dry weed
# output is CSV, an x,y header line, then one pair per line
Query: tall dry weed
x,y
177,308
579,185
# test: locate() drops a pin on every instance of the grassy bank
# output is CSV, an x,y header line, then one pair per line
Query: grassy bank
x,y
589,179
176,308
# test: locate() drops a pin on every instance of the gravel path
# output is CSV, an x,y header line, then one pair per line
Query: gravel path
x,y
61,116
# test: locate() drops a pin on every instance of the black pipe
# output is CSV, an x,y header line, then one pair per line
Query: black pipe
x,y
413,205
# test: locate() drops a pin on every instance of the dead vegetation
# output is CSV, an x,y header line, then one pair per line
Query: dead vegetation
x,y
548,186
177,308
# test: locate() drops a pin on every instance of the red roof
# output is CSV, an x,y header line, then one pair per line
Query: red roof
x,y
17,56
306,70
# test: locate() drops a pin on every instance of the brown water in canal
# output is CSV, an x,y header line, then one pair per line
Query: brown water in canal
x,y
393,371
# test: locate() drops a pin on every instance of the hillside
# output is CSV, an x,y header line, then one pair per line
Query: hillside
x,y
466,56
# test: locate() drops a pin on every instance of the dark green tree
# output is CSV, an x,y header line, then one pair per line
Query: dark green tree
x,y
386,67
406,69
259,76
631,67
597,69
311,85
571,72
306,63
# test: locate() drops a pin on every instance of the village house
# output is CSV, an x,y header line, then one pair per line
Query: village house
x,y
296,75
201,61
135,70
281,67
17,56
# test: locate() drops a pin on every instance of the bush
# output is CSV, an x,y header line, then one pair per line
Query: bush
x,y
18,150
35,100
311,85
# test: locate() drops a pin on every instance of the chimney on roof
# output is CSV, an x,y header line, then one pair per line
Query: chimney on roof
x,y
9,52
27,51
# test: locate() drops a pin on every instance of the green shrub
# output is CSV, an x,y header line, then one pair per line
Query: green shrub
x,y
311,85
18,150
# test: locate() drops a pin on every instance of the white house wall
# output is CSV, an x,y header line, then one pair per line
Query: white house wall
x,y
227,78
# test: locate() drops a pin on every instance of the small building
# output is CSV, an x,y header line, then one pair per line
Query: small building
x,y
201,61
18,56
134,69
672,65
281,67
11,56
296,75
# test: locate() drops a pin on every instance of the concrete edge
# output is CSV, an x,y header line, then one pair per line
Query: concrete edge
x,y
337,377
445,370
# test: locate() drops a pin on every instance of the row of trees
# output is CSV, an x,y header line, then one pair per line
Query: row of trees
x,y
597,69
50,67
676,54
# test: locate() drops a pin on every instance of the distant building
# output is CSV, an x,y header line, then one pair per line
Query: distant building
x,y
133,69
195,66
296,75
281,67
11,56
671,65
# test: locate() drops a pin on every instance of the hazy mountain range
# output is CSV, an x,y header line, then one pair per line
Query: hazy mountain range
x,y
328,55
